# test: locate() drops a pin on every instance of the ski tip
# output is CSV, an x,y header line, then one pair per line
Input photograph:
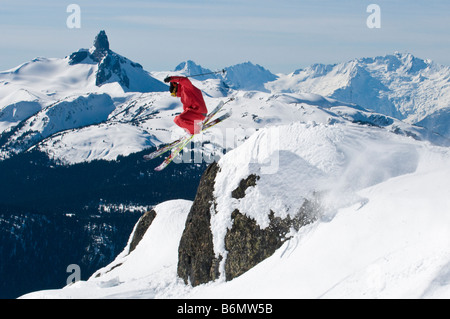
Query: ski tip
x,y
148,157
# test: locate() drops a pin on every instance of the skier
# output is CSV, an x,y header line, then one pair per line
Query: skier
x,y
194,107
194,118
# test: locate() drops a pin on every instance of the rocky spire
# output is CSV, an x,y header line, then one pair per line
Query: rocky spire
x,y
101,42
101,45
113,67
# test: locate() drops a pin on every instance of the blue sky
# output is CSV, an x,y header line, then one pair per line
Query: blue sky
x,y
280,35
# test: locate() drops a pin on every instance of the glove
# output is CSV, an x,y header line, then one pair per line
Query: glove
x,y
167,79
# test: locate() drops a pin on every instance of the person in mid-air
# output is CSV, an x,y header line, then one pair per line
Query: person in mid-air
x,y
194,107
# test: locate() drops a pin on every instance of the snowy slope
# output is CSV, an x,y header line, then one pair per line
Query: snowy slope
x,y
28,88
384,232
437,122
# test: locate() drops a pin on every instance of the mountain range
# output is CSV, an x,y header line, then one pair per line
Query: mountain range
x,y
399,85
97,104
327,182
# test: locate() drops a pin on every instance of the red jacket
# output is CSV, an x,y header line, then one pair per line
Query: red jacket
x,y
194,107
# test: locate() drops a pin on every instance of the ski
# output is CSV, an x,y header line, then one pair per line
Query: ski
x,y
163,149
215,111
185,141
216,121
175,151
172,145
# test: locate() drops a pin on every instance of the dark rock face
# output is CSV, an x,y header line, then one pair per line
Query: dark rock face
x,y
101,45
101,42
239,192
142,225
111,65
78,57
246,243
196,260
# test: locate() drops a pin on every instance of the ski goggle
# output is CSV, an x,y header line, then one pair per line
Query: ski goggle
x,y
173,89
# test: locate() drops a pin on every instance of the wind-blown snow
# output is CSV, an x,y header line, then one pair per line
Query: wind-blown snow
x,y
394,246
298,160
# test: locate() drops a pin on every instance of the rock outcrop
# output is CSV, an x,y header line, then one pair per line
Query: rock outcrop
x,y
142,225
246,243
101,45
197,263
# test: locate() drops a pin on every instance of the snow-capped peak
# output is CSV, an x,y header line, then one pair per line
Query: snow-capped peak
x,y
189,68
399,85
248,76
